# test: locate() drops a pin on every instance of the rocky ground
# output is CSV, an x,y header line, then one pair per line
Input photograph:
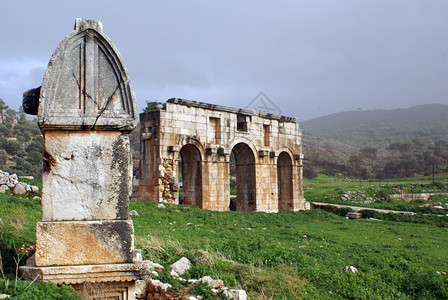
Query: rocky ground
x,y
11,182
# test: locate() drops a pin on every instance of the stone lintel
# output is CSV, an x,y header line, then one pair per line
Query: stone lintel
x,y
89,273
84,243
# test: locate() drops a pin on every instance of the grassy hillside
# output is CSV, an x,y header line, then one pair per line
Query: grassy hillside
x,y
379,143
380,127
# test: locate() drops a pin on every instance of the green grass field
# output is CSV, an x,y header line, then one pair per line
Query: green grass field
x,y
299,255
287,255
327,189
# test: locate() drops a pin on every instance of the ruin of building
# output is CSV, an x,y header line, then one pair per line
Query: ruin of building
x,y
192,142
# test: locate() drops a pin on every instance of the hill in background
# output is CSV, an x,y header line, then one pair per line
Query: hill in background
x,y
379,143
381,127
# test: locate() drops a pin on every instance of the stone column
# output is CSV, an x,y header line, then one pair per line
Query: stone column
x,y
86,110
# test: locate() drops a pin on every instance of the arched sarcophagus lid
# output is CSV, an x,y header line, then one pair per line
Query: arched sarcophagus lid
x,y
86,85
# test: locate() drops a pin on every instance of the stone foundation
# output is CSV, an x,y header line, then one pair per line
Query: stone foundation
x,y
84,243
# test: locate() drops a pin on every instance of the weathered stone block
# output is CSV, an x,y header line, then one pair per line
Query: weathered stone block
x,y
83,243
87,175
354,215
86,85
90,273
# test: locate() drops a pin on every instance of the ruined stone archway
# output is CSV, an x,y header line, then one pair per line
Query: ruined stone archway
x,y
215,131
245,178
285,182
190,168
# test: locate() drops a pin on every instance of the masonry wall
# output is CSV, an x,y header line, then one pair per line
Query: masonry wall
x,y
203,136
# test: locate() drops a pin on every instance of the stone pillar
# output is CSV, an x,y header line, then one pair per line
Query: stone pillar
x,y
86,110
216,188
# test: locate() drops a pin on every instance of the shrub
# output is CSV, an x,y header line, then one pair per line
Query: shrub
x,y
12,147
3,156
340,211
383,194
25,290
309,173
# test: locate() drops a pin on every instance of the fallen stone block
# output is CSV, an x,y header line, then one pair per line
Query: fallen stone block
x,y
353,215
236,294
216,284
181,266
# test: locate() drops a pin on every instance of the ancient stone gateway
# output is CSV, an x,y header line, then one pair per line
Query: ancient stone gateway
x,y
200,143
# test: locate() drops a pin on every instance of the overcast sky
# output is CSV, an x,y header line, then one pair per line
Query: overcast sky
x,y
310,58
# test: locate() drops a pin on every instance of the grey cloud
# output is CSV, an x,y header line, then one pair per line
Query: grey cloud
x,y
310,57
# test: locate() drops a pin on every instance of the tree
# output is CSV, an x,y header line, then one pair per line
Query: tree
x,y
22,116
418,144
3,107
355,163
11,115
369,153
400,147
3,156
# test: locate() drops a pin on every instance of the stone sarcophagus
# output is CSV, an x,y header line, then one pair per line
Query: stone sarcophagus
x,y
86,109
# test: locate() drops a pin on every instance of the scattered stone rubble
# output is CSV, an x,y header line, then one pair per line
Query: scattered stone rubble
x,y
416,197
153,288
353,196
11,182
351,269
360,197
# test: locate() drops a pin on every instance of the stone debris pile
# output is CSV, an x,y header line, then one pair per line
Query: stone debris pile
x,y
352,195
11,182
153,288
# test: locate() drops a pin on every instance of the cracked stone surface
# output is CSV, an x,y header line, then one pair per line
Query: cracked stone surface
x,y
86,85
87,176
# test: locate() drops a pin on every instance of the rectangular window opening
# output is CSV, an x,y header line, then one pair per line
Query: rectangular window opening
x,y
241,122
215,126
266,135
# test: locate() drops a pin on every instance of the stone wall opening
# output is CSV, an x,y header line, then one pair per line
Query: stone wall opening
x,y
241,122
245,178
266,135
285,182
190,168
215,126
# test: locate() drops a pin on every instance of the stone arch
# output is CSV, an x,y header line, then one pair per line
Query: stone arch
x,y
245,178
247,142
190,167
285,181
193,141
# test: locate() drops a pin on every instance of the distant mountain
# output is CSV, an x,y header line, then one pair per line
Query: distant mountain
x,y
379,128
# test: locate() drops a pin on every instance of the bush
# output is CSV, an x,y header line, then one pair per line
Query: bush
x,y
12,147
309,173
203,290
3,156
340,211
26,290
384,194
